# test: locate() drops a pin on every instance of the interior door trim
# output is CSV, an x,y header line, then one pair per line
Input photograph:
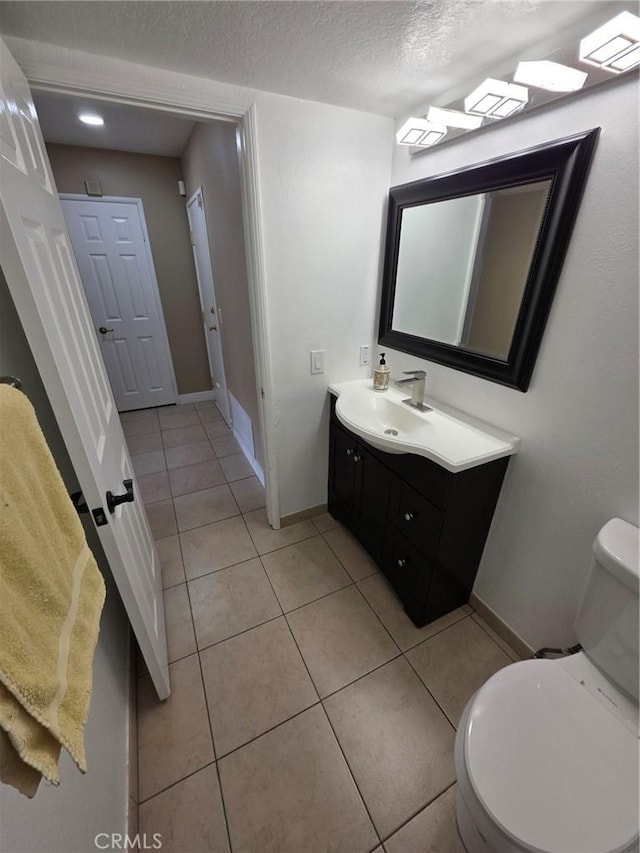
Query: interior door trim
x,y
73,72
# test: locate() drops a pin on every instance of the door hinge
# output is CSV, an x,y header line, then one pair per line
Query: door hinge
x,y
262,393
202,315
199,199
192,238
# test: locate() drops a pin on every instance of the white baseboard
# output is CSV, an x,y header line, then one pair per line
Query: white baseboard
x,y
242,429
195,397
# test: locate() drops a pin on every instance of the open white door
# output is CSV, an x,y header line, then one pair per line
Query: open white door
x,y
211,317
45,285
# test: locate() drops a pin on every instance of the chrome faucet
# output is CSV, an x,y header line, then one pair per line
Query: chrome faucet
x,y
418,378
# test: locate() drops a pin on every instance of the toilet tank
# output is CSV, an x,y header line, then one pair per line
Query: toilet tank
x,y
607,620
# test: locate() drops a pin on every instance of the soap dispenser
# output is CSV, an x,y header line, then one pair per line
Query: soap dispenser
x,y
381,375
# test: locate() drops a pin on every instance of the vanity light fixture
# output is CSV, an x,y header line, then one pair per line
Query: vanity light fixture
x,y
552,76
615,46
420,133
453,118
92,119
496,99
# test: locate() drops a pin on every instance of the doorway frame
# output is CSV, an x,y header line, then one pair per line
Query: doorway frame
x,y
85,74
147,247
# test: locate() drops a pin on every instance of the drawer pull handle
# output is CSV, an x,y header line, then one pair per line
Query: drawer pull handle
x,y
356,458
402,563
408,516
349,452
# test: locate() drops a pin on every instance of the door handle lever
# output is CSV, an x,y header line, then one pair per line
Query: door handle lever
x,y
115,500
103,330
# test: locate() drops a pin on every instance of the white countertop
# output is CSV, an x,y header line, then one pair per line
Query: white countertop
x,y
450,438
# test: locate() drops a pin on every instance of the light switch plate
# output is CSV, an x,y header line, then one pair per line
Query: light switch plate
x,y
365,355
317,361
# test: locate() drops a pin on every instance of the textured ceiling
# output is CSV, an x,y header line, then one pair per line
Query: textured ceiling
x,y
125,129
383,57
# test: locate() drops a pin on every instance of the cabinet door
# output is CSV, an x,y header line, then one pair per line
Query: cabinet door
x,y
342,476
373,488
410,574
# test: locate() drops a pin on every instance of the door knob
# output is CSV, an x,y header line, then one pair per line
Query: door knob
x,y
103,330
408,516
402,563
115,500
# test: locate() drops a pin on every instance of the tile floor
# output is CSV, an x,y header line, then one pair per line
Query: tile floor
x,y
307,712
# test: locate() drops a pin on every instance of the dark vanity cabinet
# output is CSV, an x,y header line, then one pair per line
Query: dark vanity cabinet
x,y
423,525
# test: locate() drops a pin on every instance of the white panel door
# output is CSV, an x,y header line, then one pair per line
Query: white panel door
x,y
110,245
211,316
45,285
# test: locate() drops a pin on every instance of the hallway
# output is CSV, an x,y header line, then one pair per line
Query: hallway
x,y
307,712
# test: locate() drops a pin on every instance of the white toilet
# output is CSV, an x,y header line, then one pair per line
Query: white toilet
x,y
546,753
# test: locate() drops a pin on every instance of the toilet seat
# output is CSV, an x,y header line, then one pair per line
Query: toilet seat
x,y
570,784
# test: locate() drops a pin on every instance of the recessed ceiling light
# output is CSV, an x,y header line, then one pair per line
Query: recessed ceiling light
x,y
420,132
453,118
613,46
92,119
550,75
496,99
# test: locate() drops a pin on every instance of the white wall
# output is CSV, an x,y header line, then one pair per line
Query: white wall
x,y
66,819
578,463
325,175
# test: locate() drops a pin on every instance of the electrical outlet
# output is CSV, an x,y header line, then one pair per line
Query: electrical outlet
x,y
317,361
365,355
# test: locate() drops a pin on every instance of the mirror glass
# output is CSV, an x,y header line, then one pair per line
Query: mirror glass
x,y
473,257
463,265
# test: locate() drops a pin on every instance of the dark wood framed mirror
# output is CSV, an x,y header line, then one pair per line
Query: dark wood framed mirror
x,y
473,258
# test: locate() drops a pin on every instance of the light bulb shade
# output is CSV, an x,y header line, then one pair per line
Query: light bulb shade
x,y
453,118
551,76
496,99
614,46
420,133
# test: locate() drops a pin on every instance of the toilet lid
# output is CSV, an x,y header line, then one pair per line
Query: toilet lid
x,y
551,765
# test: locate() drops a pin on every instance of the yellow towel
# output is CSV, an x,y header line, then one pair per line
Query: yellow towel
x,y
51,597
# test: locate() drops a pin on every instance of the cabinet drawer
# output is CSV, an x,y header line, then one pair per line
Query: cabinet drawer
x,y
409,573
416,518
430,480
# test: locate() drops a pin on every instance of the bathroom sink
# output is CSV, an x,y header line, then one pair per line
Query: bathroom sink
x,y
452,439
